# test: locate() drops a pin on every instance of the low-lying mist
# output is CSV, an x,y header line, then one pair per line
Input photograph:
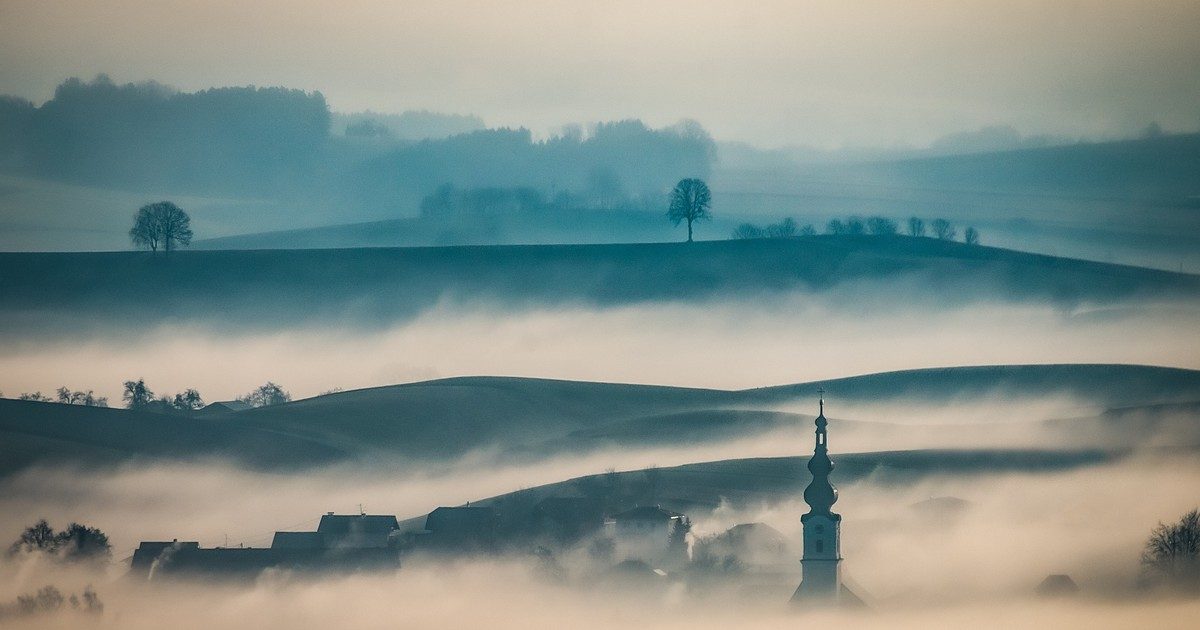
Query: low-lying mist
x,y
918,563
725,344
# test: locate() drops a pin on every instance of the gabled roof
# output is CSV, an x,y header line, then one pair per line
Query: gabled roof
x,y
461,518
646,513
225,406
336,524
298,540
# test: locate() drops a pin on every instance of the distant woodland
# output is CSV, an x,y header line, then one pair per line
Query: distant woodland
x,y
276,142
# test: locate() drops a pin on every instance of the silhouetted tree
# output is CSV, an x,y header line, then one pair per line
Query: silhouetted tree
x,y
161,225
808,230
137,395
188,400
35,397
971,236
916,226
36,537
76,543
748,231
943,230
87,399
881,226
855,225
835,226
266,395
783,229
80,543
1172,554
690,201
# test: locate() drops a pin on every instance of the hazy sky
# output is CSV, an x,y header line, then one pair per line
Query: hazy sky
x,y
772,72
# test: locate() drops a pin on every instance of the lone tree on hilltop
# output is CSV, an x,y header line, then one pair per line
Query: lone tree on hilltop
x,y
943,230
916,226
690,201
161,225
1172,554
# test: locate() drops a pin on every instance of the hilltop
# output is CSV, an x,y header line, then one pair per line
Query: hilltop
x,y
534,418
376,286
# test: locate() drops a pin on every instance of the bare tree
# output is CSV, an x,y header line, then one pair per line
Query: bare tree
x,y
35,397
835,226
137,395
808,230
161,225
690,201
916,227
971,236
943,230
188,400
748,231
266,395
855,225
87,399
1172,553
881,226
784,229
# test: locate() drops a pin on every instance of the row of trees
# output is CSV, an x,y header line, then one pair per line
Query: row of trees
x,y
138,395
76,543
66,396
940,229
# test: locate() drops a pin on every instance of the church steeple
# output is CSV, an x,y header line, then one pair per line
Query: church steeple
x,y
821,563
820,495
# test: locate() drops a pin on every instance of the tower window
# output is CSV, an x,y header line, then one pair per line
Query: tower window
x,y
819,545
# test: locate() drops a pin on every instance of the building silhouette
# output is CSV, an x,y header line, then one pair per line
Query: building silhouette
x,y
821,563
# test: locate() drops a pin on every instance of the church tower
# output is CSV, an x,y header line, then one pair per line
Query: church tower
x,y
821,580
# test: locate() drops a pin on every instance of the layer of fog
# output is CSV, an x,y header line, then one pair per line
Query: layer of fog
x,y
721,344
916,565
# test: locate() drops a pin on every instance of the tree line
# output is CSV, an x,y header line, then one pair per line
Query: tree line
x,y
941,229
137,395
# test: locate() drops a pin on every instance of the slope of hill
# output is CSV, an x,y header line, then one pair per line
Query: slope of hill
x,y
378,286
752,482
1132,201
439,420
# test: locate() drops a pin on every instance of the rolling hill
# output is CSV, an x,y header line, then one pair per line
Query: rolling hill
x,y
46,293
517,417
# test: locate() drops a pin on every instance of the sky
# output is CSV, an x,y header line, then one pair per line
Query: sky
x,y
821,72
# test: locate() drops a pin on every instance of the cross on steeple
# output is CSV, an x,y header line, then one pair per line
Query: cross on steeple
x,y
821,394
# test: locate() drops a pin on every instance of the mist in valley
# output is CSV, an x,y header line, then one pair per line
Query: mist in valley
x,y
725,344
432,255
916,563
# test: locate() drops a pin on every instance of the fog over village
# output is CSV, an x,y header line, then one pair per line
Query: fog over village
x,y
539,314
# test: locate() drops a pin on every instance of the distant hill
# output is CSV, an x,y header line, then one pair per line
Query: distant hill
x,y
578,226
741,483
380,286
437,420
1133,201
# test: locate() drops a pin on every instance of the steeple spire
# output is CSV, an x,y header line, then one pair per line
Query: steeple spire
x,y
820,495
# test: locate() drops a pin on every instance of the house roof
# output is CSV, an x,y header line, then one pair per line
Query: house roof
x,y
298,540
225,406
646,513
337,524
460,518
